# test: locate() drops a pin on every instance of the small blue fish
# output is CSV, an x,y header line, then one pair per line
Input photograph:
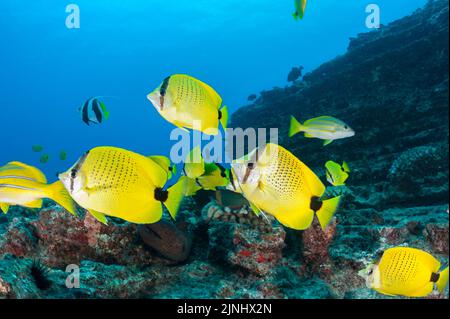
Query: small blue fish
x,y
93,111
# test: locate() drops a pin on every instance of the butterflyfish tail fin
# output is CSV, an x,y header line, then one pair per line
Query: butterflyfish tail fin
x,y
326,212
346,167
175,196
59,194
443,280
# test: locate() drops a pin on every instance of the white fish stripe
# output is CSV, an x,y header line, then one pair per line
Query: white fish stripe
x,y
18,187
18,177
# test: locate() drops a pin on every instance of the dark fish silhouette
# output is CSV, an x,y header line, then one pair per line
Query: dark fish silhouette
x,y
252,97
295,74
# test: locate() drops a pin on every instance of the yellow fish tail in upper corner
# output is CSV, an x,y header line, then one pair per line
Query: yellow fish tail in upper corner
x,y
300,6
189,103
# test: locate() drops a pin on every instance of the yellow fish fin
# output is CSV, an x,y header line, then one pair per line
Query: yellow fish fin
x,y
162,161
4,207
346,167
295,127
191,187
255,209
33,172
194,164
214,96
223,118
59,194
315,185
175,196
427,260
442,281
326,142
298,218
180,126
326,212
154,171
99,216
34,204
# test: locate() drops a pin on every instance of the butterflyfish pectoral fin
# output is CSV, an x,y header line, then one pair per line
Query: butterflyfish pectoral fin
x,y
99,216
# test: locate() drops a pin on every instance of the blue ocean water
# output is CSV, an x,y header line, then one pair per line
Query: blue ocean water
x,y
124,49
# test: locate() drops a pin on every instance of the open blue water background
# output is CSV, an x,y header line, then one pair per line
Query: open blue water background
x,y
126,48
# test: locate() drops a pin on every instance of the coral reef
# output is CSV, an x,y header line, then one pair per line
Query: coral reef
x,y
391,87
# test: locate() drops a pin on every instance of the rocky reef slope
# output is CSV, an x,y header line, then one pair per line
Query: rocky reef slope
x,y
391,87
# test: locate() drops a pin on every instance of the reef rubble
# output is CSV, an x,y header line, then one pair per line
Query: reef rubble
x,y
391,86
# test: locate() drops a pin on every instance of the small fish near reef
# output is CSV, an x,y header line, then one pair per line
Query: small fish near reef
x,y
37,148
276,182
326,128
337,174
295,74
26,186
252,97
93,111
63,155
120,183
404,271
189,103
300,6
201,175
44,159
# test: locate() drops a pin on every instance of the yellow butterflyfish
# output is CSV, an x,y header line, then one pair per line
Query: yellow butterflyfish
x,y
120,183
189,103
407,272
276,182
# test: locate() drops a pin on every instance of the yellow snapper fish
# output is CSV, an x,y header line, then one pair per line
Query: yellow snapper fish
x,y
24,185
326,128
337,174
201,175
189,103
119,183
274,181
300,6
406,272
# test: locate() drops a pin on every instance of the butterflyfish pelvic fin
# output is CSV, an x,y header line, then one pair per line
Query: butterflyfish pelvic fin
x,y
4,207
99,216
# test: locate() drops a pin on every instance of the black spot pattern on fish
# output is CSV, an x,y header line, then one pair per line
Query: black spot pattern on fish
x,y
402,268
286,176
191,92
114,170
